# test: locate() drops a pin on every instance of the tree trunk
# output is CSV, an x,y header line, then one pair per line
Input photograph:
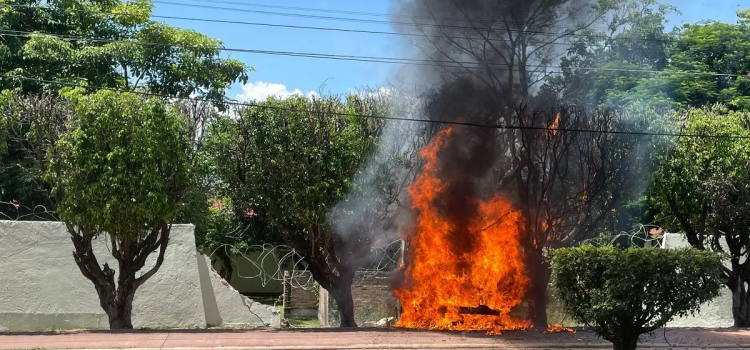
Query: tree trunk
x,y
626,343
120,313
537,293
740,302
117,299
342,293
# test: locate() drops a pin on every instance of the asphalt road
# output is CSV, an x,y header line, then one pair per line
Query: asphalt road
x,y
317,339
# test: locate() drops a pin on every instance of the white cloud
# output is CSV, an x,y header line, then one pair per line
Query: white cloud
x,y
260,90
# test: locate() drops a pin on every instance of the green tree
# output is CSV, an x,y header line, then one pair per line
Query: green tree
x,y
721,52
290,161
703,183
219,230
34,123
102,43
122,172
623,293
594,68
48,45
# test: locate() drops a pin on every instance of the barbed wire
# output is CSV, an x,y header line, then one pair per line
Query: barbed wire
x,y
14,211
646,234
260,256
389,256
254,262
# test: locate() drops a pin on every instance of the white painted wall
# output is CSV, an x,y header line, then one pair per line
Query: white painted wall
x,y
231,307
42,288
717,313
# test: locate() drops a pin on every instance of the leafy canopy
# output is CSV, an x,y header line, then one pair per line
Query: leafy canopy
x,y
722,51
291,160
623,293
100,44
123,169
704,182
60,52
634,39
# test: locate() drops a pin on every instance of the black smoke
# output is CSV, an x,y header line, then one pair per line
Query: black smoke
x,y
502,46
481,63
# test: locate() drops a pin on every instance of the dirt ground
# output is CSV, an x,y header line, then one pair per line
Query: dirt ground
x,y
278,339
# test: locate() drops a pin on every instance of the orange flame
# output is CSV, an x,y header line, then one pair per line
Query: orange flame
x,y
558,328
554,126
440,281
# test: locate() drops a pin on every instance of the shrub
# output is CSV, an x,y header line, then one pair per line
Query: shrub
x,y
623,293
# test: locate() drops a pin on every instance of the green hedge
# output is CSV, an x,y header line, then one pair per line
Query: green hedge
x,y
623,293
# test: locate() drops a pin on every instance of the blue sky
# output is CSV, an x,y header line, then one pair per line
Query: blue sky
x,y
282,75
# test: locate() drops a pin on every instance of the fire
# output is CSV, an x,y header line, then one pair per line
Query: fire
x,y
441,281
554,126
558,328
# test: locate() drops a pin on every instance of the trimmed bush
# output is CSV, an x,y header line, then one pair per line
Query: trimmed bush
x,y
623,293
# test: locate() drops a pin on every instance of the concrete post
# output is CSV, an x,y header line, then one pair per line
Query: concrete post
x,y
286,293
323,307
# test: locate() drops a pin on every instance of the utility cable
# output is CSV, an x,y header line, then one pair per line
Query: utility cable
x,y
361,31
380,117
357,20
375,59
359,13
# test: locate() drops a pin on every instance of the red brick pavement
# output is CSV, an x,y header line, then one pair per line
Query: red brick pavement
x,y
358,339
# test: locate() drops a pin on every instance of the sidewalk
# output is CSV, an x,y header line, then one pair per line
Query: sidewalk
x,y
319,339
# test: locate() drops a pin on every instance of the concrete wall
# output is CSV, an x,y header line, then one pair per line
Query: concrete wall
x,y
42,288
300,298
373,299
372,293
717,313
227,307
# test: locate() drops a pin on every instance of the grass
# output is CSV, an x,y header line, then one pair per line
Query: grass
x,y
303,322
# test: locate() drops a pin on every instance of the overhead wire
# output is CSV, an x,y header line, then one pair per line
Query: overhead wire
x,y
376,59
358,13
289,26
380,117
348,19
379,32
360,31
298,15
356,20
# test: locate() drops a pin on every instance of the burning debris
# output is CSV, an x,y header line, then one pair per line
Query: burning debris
x,y
479,310
558,328
464,269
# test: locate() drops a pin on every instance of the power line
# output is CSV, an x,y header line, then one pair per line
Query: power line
x,y
330,18
375,32
380,117
375,59
358,13
296,8
362,31
333,29
350,19
570,31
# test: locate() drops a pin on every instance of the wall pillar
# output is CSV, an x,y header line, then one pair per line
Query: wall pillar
x,y
323,307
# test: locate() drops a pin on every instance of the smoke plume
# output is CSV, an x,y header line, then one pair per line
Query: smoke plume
x,y
503,46
483,58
